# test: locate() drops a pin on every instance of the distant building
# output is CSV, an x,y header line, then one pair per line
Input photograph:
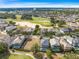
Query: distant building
x,y
3,24
76,43
63,30
69,39
17,43
5,38
30,29
9,28
65,44
51,30
55,44
43,30
44,44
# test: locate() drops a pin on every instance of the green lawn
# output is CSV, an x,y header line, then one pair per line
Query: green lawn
x,y
36,20
71,56
19,57
42,21
16,57
47,24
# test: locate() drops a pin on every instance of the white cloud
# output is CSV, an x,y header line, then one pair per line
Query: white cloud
x,y
15,5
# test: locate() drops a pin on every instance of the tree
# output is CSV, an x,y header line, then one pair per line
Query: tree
x,y
53,21
61,23
7,15
35,48
37,30
12,22
12,16
49,34
3,47
39,55
26,16
49,54
37,26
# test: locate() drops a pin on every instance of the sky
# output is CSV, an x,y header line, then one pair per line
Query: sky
x,y
39,3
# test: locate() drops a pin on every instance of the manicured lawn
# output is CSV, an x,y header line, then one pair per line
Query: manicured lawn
x,y
36,20
42,21
19,57
15,56
47,24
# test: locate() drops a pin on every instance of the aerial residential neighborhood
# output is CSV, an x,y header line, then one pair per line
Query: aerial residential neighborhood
x,y
39,33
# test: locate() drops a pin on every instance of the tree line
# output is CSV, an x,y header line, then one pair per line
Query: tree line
x,y
13,16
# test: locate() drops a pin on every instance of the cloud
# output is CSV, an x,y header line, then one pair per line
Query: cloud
x,y
17,4
28,4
